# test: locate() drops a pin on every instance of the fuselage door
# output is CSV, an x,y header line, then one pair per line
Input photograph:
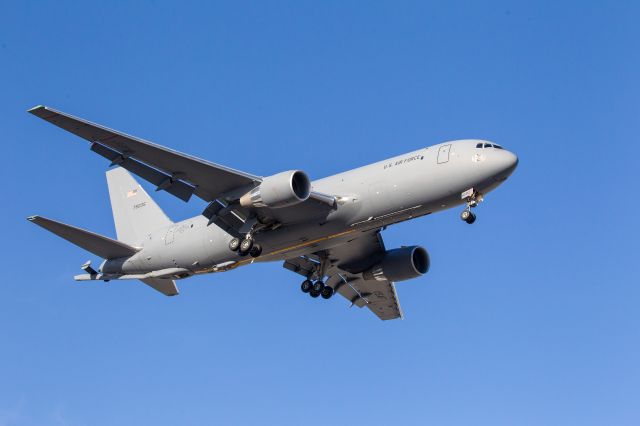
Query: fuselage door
x,y
443,153
168,239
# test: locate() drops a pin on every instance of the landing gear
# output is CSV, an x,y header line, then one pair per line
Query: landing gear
x,y
468,216
245,247
326,292
318,286
234,244
306,286
314,284
317,289
473,198
255,251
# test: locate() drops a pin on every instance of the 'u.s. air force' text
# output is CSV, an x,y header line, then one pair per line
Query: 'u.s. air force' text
x,y
404,161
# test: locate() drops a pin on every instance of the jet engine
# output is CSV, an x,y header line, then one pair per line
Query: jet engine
x,y
281,190
400,264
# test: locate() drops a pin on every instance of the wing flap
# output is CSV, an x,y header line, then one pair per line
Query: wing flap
x,y
162,181
99,245
379,296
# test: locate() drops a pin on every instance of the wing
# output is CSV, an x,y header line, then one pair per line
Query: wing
x,y
183,175
345,264
207,180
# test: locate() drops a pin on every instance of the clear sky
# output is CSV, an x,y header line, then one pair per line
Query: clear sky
x,y
528,317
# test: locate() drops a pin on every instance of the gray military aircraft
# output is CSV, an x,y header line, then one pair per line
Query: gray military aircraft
x,y
327,230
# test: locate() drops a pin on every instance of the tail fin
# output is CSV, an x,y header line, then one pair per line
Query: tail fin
x,y
134,212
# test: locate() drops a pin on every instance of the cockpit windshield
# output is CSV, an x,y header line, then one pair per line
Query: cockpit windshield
x,y
488,145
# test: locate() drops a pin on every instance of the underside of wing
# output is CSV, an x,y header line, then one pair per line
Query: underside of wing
x,y
345,265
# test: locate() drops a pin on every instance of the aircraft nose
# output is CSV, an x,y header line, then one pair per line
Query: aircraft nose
x,y
507,163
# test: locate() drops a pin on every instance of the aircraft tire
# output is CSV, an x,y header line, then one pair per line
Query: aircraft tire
x,y
471,218
318,286
314,293
234,244
326,292
255,251
306,286
246,245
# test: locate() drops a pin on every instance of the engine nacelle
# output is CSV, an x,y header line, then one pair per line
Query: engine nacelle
x,y
281,190
400,264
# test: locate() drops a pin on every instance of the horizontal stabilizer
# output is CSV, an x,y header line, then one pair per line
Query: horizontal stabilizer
x,y
97,244
164,286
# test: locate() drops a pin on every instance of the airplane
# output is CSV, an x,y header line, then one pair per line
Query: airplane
x,y
327,230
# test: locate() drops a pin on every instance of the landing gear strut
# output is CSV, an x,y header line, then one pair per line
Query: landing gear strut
x,y
473,198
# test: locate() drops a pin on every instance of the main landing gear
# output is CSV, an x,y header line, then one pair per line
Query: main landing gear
x,y
246,246
473,198
316,289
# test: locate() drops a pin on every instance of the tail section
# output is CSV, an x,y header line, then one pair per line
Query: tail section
x,y
134,212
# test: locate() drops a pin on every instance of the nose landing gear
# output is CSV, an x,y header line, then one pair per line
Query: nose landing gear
x,y
472,198
468,216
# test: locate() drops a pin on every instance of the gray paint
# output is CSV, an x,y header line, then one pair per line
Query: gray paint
x,y
344,207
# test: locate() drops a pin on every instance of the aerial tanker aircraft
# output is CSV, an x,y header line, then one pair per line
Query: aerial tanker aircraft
x,y
327,230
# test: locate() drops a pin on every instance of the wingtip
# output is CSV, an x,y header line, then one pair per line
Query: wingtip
x,y
32,218
36,109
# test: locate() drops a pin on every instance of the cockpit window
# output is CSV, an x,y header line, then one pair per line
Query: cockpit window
x,y
488,145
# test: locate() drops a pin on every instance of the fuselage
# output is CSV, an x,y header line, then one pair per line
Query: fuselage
x,y
404,187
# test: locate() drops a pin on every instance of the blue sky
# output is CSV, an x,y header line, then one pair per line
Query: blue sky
x,y
528,317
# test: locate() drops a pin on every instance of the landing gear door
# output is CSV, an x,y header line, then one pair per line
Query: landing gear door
x,y
443,154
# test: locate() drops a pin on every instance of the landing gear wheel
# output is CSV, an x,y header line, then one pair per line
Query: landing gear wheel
x,y
326,292
306,286
246,245
234,244
468,216
255,251
314,293
318,286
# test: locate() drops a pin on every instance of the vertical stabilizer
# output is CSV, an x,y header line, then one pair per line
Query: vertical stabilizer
x,y
134,212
